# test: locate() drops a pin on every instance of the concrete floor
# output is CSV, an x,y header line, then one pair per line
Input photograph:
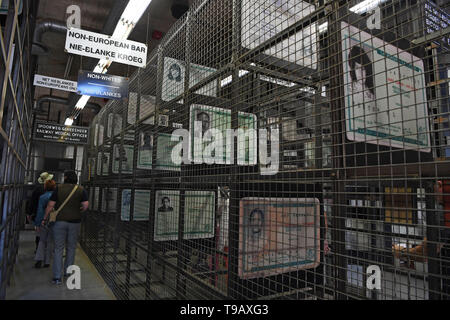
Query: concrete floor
x,y
28,283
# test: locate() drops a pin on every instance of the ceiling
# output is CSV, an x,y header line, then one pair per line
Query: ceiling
x,y
94,14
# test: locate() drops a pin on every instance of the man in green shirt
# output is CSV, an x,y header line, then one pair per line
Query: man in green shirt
x,y
67,226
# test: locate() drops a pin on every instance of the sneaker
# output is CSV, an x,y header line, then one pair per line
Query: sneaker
x,y
38,264
56,281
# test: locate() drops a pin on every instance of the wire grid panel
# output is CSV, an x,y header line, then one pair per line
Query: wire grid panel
x,y
279,150
15,128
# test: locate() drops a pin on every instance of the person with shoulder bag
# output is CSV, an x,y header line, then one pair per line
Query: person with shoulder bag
x,y
70,200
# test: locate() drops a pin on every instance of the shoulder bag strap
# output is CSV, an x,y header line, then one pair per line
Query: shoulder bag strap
x,y
67,199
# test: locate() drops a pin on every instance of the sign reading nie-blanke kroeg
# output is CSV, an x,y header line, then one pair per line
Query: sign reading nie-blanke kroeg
x,y
97,45
54,132
55,83
102,85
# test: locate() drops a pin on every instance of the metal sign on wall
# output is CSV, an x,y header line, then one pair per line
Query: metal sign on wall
x,y
102,85
53,132
55,83
97,45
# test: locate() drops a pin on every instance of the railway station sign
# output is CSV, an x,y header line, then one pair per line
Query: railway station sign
x,y
53,132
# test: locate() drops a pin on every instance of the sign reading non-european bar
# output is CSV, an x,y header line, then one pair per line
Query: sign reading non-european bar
x,y
102,85
97,45
53,132
55,83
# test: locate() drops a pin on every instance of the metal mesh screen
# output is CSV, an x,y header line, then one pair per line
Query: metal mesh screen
x,y
15,127
279,150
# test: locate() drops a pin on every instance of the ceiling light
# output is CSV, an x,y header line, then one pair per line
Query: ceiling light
x,y
102,66
130,16
242,73
323,27
82,102
366,6
68,122
134,11
229,79
123,30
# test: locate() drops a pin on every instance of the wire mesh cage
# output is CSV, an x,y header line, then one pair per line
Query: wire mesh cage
x,y
15,128
279,150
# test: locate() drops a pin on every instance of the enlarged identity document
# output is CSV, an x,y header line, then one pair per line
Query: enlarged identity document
x,y
96,198
218,118
109,200
146,108
278,235
103,163
91,194
114,125
145,150
199,214
385,96
124,154
174,74
141,205
164,153
166,215
101,132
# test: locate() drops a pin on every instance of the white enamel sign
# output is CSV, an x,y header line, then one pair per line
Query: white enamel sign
x,y
55,83
96,45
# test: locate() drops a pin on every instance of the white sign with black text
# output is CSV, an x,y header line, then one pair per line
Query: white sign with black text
x,y
55,83
96,45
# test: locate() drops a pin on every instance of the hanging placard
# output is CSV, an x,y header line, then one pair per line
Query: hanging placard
x,y
102,85
53,132
55,83
96,45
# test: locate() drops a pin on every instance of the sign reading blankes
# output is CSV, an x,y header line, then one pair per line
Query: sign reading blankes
x,y
102,85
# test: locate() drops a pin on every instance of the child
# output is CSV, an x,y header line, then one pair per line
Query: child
x,y
45,247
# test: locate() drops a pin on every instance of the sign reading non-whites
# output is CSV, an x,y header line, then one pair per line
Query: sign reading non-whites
x,y
55,83
102,85
96,45
54,132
